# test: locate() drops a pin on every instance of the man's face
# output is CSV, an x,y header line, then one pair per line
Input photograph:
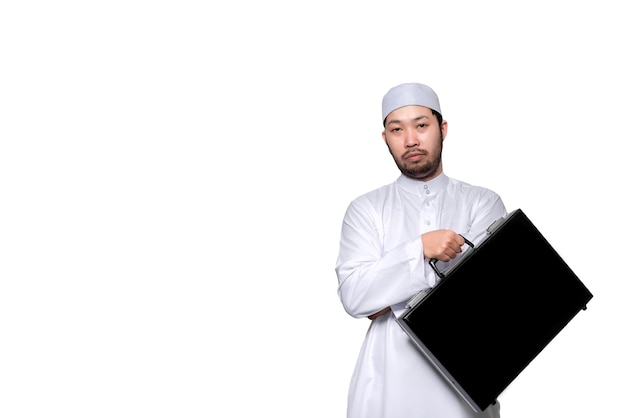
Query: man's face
x,y
415,141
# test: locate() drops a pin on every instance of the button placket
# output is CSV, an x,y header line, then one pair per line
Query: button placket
x,y
429,213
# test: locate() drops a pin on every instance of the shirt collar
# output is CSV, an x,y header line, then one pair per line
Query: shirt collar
x,y
423,188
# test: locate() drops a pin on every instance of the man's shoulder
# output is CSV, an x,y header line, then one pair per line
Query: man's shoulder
x,y
469,187
375,194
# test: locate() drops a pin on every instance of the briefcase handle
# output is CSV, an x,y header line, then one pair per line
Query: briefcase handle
x,y
433,261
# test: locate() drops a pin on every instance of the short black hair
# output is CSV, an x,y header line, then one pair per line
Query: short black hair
x,y
438,116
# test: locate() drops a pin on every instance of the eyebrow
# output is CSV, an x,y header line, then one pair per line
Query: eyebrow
x,y
414,120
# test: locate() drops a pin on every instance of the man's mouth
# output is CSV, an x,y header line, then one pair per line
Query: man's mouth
x,y
413,156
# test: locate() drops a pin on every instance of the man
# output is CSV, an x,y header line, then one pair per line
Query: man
x,y
387,237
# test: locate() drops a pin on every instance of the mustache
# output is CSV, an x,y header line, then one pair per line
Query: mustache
x,y
415,151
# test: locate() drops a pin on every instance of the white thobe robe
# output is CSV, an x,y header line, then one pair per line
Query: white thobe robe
x,y
381,263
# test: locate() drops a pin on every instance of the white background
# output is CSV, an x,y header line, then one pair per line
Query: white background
x,y
173,177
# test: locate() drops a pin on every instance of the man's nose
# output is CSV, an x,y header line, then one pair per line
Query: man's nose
x,y
411,138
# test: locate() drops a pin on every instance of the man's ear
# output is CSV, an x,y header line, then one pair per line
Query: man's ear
x,y
384,137
444,129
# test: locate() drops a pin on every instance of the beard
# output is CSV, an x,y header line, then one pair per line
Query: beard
x,y
423,169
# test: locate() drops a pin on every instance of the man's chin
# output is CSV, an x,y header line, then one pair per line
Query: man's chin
x,y
417,174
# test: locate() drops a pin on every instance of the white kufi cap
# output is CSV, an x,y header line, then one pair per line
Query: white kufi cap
x,y
408,94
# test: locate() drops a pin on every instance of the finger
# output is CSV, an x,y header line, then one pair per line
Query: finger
x,y
455,247
450,253
459,240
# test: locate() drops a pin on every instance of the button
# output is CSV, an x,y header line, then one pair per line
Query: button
x,y
427,222
427,191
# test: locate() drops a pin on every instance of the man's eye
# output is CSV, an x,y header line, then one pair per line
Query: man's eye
x,y
395,130
421,125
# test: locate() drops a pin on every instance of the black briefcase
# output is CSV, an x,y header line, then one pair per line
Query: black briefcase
x,y
495,310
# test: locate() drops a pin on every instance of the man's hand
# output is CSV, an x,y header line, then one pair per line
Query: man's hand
x,y
442,244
